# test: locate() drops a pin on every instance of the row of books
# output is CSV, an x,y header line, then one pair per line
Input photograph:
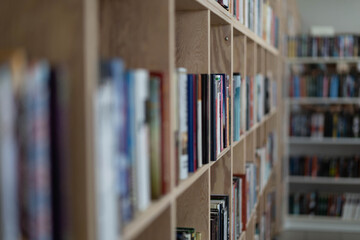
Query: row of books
x,y
187,234
324,124
344,205
253,99
246,187
203,120
33,149
319,85
219,217
238,200
346,45
257,15
321,166
129,144
265,227
266,157
252,181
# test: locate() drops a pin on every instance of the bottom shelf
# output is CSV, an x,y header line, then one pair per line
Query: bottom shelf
x,y
320,223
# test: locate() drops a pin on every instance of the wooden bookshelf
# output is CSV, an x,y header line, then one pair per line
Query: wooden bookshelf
x,y
158,35
323,60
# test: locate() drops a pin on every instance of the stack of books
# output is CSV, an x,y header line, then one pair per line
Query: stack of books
x,y
342,205
329,123
322,166
257,15
346,45
187,234
324,85
203,119
33,149
253,99
219,217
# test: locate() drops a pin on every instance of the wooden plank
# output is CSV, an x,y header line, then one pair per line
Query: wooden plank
x,y
193,207
221,179
191,42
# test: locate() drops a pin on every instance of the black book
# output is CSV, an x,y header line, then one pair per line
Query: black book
x,y
205,117
213,118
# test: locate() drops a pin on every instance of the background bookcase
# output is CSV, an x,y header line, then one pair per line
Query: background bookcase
x,y
159,35
313,227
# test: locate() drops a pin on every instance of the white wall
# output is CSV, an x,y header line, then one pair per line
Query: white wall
x,y
343,15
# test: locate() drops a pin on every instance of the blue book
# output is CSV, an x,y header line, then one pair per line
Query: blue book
x,y
190,122
296,86
334,86
127,207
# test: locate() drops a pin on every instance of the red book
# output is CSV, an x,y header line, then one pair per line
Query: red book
x,y
237,10
314,167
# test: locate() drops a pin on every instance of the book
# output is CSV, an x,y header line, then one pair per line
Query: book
x,y
219,205
141,80
154,118
9,213
183,124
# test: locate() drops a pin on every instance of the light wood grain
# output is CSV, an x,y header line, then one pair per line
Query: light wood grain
x,y
193,207
220,59
221,179
239,158
159,229
191,42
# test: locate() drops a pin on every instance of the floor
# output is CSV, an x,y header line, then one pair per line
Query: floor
x,y
296,235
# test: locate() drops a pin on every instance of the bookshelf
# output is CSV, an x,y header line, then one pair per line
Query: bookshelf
x,y
159,35
311,181
323,60
323,100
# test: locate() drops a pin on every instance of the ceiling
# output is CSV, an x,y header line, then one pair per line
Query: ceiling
x,y
343,15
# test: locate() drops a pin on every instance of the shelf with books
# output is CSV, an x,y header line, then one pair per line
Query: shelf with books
x,y
323,60
323,141
320,223
323,180
159,36
323,100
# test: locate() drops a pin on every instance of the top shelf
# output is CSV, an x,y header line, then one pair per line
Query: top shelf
x,y
314,60
222,16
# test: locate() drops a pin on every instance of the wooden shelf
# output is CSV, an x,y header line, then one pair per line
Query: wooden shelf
x,y
158,35
323,100
145,218
323,141
323,180
323,60
320,223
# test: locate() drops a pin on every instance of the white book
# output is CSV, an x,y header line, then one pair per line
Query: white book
x,y
240,204
199,137
218,117
243,104
105,164
141,78
256,16
268,24
9,229
247,13
241,11
183,124
345,211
